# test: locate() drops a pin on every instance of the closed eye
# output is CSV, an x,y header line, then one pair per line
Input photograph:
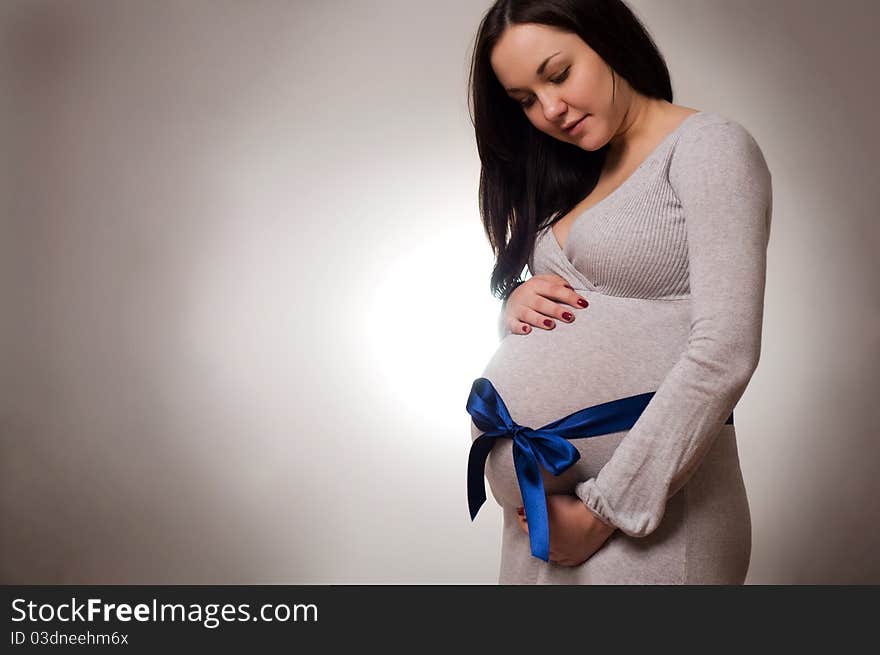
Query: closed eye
x,y
559,79
562,76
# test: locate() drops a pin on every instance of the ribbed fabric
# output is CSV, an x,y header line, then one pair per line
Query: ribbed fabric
x,y
673,263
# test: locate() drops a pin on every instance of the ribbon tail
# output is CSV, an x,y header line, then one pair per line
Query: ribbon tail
x,y
531,487
476,471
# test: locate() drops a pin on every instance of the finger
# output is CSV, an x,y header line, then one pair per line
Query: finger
x,y
541,302
564,297
544,313
557,288
512,323
522,316
537,319
575,299
553,310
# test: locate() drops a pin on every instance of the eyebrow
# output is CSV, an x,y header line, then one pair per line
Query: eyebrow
x,y
538,72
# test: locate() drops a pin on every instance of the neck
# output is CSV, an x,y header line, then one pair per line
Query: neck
x,y
640,119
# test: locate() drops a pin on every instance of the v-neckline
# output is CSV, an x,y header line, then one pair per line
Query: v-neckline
x,y
615,190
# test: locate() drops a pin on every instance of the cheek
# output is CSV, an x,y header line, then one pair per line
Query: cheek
x,y
589,91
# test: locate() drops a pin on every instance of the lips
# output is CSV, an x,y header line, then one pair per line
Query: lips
x,y
575,124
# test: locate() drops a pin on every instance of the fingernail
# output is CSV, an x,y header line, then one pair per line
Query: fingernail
x,y
567,316
548,322
525,328
582,302
520,511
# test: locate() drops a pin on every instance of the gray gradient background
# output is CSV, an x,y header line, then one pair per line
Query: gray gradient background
x,y
244,287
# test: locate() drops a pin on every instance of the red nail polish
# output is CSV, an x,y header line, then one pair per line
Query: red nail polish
x,y
548,322
567,316
525,328
582,302
520,511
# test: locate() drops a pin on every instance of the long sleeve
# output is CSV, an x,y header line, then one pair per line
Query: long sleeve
x,y
721,178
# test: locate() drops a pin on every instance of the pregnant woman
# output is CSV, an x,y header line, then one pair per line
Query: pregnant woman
x,y
645,226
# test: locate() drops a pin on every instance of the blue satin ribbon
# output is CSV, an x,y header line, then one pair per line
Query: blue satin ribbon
x,y
547,445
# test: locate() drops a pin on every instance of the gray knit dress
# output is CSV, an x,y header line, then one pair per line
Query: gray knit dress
x,y
673,265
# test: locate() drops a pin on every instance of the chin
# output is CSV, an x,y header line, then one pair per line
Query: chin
x,y
588,146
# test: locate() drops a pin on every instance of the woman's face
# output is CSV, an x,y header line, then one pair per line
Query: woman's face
x,y
558,80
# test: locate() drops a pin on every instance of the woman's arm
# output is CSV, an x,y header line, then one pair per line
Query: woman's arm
x,y
722,180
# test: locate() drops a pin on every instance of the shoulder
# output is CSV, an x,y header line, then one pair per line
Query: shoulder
x,y
708,143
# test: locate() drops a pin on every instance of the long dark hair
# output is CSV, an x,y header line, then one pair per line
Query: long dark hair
x,y
529,179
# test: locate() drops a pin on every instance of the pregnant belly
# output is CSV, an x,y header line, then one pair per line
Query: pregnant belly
x,y
616,347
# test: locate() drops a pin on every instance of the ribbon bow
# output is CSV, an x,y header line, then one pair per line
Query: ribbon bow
x,y
547,445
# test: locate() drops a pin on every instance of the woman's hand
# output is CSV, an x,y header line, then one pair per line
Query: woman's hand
x,y
535,302
575,532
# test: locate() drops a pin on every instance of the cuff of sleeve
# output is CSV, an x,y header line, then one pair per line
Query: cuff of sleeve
x,y
588,493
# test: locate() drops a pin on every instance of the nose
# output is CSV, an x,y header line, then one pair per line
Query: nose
x,y
554,108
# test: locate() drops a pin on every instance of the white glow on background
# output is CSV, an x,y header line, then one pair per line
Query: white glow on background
x,y
446,322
